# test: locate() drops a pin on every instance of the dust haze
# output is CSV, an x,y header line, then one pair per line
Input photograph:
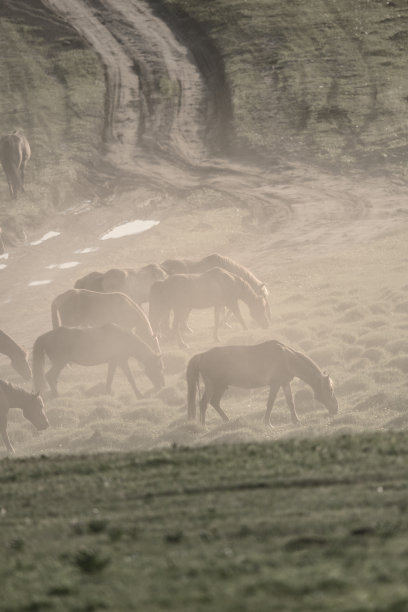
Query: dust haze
x,y
330,246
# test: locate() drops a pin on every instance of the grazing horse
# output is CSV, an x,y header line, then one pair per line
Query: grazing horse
x,y
14,154
16,397
269,363
108,343
83,308
134,283
17,355
216,288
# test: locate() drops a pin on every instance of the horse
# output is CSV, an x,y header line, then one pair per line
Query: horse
x,y
14,154
82,308
269,363
32,405
16,354
108,343
134,283
186,266
216,288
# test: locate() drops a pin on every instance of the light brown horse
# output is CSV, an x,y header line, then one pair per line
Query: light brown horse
x,y
216,288
109,344
14,154
183,266
83,308
188,266
268,364
16,397
134,283
16,354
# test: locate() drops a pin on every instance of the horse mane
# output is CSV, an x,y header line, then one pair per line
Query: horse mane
x,y
309,364
239,270
245,288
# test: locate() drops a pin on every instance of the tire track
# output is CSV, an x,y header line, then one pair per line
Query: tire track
x,y
158,106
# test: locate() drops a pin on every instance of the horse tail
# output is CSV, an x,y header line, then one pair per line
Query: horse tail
x,y
39,352
192,375
55,315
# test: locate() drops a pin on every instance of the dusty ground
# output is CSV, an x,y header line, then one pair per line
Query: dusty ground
x,y
331,249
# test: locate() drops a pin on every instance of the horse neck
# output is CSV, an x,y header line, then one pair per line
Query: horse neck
x,y
141,350
16,396
9,347
245,291
304,368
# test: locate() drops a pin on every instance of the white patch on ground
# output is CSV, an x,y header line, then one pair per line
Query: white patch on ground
x,y
2,266
129,228
46,236
39,282
4,256
63,266
86,250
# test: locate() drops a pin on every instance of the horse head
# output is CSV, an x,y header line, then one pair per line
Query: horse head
x,y
325,395
34,412
259,312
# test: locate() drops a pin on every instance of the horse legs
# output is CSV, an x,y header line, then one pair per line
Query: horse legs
x,y
124,366
207,395
52,377
215,402
3,423
22,174
273,392
291,404
179,318
234,308
217,313
112,365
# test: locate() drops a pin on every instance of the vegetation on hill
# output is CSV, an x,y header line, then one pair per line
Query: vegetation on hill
x,y
230,527
323,80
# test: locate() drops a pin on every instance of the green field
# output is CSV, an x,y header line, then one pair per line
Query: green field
x,y
298,525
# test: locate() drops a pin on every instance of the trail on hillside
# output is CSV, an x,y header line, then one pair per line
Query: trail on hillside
x,y
159,111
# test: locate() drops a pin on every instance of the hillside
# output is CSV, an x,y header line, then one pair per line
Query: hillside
x,y
322,82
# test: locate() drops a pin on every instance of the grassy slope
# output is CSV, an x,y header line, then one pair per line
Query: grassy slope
x,y
322,79
222,528
325,77
52,88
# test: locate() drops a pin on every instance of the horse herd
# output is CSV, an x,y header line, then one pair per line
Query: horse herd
x,y
102,320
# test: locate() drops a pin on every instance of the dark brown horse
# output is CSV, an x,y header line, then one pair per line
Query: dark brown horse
x,y
269,364
16,354
16,397
83,308
216,288
134,283
88,347
14,154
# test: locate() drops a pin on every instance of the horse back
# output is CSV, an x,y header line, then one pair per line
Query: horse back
x,y
91,281
246,366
